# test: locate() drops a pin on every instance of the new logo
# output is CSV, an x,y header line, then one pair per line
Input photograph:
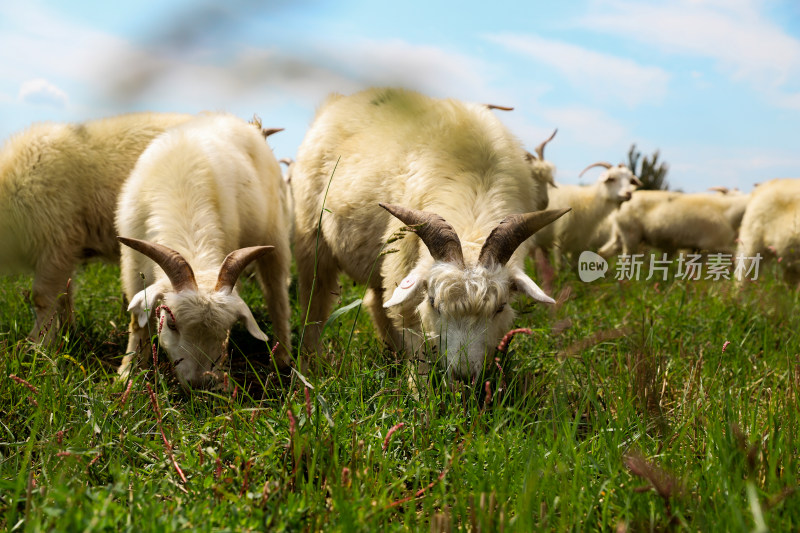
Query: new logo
x,y
591,266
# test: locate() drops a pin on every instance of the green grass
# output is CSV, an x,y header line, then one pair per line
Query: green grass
x,y
621,411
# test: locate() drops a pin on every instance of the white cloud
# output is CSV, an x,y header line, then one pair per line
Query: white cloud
x,y
589,127
699,166
305,76
41,92
46,46
427,68
530,129
787,100
737,35
602,75
585,135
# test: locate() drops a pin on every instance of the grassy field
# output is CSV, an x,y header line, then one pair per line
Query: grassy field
x,y
633,406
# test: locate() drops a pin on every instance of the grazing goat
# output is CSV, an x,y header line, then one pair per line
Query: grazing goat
x,y
590,207
58,190
673,221
455,176
771,225
199,204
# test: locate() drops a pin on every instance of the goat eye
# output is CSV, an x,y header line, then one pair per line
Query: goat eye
x,y
172,326
431,301
500,309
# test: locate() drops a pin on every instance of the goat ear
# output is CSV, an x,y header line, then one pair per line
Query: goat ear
x,y
407,288
249,320
522,283
143,304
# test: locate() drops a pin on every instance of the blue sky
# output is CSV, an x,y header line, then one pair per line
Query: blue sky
x,y
713,84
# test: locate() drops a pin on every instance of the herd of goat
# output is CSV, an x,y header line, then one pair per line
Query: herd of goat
x,y
432,204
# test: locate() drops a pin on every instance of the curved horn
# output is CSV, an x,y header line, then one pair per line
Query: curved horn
x,y
269,131
439,236
720,189
598,164
500,107
540,149
513,231
235,263
286,161
173,264
266,132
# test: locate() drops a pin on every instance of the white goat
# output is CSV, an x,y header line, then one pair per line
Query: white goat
x,y
602,233
590,206
673,221
58,191
202,191
289,162
287,185
733,208
451,286
542,172
771,225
